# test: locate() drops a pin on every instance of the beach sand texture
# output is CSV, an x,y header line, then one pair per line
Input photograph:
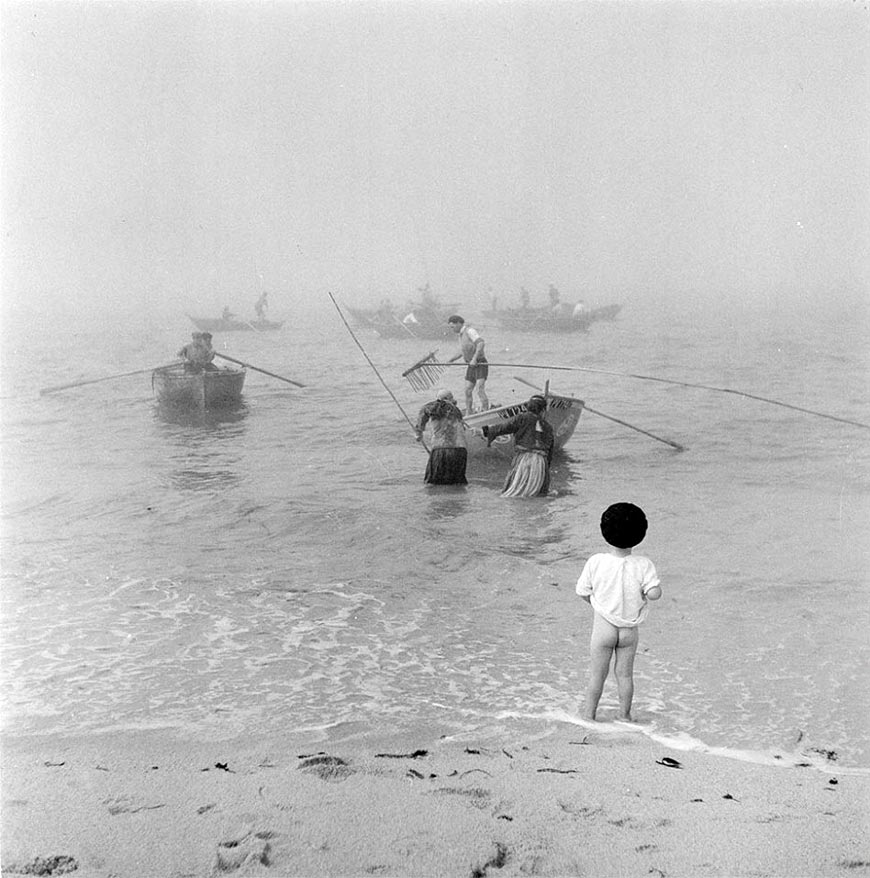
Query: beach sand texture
x,y
572,803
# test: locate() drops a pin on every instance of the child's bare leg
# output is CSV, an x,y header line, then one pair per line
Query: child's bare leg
x,y
623,667
604,640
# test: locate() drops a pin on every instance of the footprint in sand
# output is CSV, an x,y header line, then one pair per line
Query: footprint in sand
x,y
249,850
130,805
330,768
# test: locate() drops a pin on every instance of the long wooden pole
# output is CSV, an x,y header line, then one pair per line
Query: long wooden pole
x,y
631,426
374,368
608,417
106,378
258,369
669,381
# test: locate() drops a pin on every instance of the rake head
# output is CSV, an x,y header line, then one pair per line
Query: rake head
x,y
424,373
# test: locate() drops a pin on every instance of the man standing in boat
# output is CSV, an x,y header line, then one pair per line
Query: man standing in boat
x,y
449,454
472,351
261,306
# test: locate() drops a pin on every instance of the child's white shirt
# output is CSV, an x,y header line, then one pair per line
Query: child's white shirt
x,y
617,585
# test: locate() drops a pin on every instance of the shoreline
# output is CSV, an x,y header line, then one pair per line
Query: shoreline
x,y
570,801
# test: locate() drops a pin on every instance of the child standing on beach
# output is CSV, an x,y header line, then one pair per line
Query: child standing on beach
x,y
618,585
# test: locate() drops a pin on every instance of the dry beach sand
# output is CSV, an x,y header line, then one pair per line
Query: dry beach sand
x,y
572,802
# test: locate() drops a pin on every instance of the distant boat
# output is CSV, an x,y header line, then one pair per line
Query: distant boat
x,y
221,388
546,320
418,323
424,319
563,414
234,324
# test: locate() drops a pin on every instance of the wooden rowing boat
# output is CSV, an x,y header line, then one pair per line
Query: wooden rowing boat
x,y
221,388
563,413
418,323
234,324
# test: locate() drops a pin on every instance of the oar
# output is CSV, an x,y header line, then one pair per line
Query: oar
x,y
631,426
107,378
258,369
615,420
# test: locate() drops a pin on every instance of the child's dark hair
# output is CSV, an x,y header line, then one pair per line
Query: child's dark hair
x,y
623,525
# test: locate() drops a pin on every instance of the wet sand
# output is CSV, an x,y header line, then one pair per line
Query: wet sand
x,y
574,802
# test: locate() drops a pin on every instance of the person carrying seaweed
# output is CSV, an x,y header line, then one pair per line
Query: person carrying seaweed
x,y
448,456
529,475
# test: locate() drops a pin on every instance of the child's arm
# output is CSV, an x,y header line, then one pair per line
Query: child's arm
x,y
584,583
651,588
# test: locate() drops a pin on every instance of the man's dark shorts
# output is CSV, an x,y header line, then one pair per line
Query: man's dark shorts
x,y
480,372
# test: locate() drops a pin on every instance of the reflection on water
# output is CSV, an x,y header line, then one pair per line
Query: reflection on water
x,y
206,479
205,445
202,418
446,502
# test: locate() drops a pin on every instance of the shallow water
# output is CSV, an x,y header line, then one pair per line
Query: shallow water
x,y
283,567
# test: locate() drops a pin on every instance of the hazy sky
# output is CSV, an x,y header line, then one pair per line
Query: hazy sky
x,y
198,152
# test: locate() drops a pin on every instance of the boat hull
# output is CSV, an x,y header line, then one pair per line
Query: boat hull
x,y
218,324
201,390
544,320
563,413
420,322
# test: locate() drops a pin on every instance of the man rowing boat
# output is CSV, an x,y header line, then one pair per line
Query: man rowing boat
x,y
198,354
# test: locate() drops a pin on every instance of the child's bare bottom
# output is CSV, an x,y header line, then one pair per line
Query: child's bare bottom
x,y
620,644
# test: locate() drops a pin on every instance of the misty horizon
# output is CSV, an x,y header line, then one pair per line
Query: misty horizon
x,y
189,156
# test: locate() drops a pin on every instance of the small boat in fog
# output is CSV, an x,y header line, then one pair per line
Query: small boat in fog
x,y
234,324
546,320
563,413
221,388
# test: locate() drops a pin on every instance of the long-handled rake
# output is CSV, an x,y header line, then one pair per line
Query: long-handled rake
x,y
425,373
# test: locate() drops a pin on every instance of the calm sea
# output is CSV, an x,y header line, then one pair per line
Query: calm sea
x,y
283,567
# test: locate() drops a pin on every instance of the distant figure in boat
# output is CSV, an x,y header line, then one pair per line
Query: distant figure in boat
x,y
262,306
579,310
529,475
618,586
198,354
471,346
428,299
524,299
226,314
386,311
449,453
555,304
